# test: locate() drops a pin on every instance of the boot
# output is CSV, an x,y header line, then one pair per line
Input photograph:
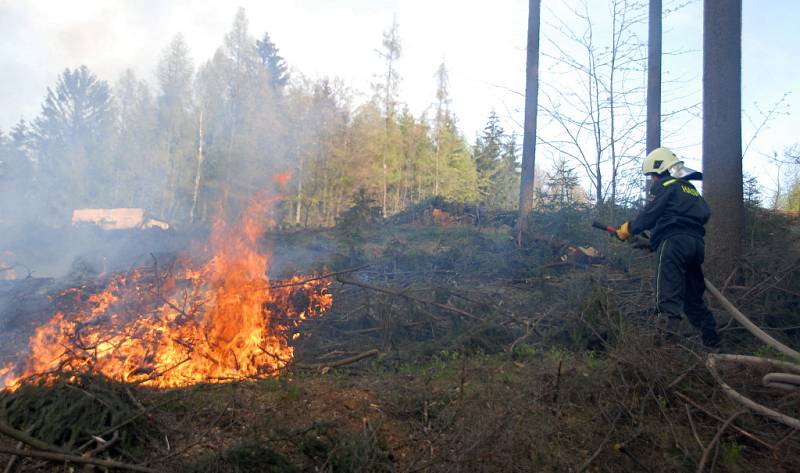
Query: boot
x,y
708,332
668,327
710,338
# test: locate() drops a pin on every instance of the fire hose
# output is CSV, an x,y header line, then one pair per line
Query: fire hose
x,y
788,379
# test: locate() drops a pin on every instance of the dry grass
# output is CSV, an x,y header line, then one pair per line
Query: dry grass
x,y
561,372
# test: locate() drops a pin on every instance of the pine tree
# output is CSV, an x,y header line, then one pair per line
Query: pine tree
x,y
460,180
73,133
488,150
417,150
507,182
175,124
17,189
4,158
562,185
22,139
255,128
273,63
243,126
7,179
751,192
138,173
441,121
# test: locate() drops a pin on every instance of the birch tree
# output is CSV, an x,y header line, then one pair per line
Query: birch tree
x,y
388,90
595,99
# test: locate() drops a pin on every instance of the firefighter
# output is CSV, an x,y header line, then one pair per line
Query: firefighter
x,y
675,215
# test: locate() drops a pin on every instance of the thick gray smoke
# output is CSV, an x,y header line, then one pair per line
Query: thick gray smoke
x,y
200,139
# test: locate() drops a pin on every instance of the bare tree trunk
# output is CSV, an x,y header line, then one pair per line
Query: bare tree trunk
x,y
325,213
226,175
398,198
337,205
299,200
615,38
722,131
392,44
388,110
654,77
383,200
299,185
436,170
531,109
596,110
168,194
199,171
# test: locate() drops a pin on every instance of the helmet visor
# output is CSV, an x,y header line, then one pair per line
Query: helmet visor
x,y
680,171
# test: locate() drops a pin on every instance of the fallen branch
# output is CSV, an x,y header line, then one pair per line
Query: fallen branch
x,y
342,362
704,459
21,436
702,409
317,278
13,460
378,329
694,430
63,457
102,445
384,290
139,414
682,376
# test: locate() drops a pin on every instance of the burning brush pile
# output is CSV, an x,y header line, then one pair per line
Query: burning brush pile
x,y
209,317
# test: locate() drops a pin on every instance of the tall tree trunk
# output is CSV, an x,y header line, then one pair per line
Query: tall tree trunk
x,y
384,188
654,77
436,170
299,185
596,106
168,193
199,171
615,39
531,109
722,131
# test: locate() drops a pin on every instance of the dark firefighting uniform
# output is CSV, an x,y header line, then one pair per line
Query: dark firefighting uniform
x,y
676,215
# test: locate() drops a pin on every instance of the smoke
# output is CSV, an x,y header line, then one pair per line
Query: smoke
x,y
45,37
44,251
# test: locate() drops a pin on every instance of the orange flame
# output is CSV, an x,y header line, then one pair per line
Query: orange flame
x,y
218,323
282,178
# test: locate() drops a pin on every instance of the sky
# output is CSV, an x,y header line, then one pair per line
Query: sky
x,y
482,44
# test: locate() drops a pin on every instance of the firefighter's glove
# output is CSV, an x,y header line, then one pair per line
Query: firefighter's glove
x,y
623,233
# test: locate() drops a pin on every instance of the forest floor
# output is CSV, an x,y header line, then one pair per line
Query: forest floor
x,y
490,358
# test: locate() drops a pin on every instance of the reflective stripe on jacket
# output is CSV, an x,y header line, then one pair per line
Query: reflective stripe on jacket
x,y
675,207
